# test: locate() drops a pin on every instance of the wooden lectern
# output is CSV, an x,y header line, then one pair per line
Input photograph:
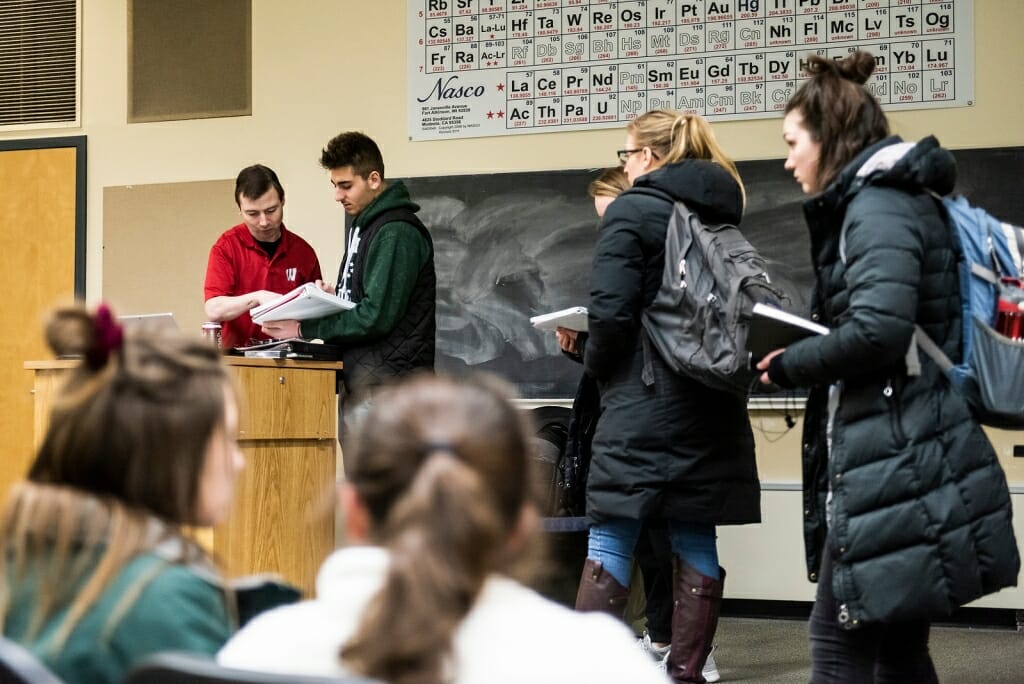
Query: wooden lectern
x,y
283,516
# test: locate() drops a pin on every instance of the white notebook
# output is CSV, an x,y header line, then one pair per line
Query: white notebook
x,y
573,318
304,302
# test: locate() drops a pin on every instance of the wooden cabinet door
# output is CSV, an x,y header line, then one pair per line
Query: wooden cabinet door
x,y
40,221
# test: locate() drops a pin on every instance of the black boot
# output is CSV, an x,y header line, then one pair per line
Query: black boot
x,y
599,591
698,600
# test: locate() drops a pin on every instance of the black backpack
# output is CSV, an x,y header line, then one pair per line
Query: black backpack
x,y
699,318
552,433
563,439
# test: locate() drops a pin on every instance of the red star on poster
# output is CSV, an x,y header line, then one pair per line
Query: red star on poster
x,y
490,115
501,114
492,35
501,86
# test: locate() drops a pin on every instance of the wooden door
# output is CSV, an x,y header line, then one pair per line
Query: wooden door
x,y
42,248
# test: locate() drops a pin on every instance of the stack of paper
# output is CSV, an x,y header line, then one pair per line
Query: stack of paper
x,y
304,302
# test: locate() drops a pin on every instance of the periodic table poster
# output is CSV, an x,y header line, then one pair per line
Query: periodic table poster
x,y
497,67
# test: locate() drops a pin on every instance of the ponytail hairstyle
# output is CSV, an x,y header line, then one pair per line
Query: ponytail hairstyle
x,y
442,467
674,136
838,111
118,469
610,183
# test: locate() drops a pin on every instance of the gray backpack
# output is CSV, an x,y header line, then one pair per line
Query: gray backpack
x,y
699,318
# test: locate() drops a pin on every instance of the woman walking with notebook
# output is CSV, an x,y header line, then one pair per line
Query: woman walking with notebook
x,y
907,513
672,449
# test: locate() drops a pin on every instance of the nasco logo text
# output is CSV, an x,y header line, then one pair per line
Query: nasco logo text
x,y
448,89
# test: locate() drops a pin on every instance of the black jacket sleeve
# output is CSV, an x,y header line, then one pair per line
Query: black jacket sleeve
x,y
616,289
884,255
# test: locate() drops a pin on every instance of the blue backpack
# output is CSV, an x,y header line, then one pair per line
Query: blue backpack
x,y
991,369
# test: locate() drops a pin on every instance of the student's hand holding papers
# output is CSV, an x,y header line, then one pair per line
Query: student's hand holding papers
x,y
281,330
566,339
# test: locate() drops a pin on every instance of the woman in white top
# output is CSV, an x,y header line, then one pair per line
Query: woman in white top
x,y
438,489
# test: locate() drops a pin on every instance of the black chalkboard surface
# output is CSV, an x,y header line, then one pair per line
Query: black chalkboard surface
x,y
514,245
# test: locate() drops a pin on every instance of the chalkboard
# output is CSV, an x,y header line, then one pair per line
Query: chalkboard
x,y
514,245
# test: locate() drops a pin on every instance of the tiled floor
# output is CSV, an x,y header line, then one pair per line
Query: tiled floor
x,y
754,650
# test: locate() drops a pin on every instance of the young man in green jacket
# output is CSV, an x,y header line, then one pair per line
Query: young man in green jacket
x,y
387,270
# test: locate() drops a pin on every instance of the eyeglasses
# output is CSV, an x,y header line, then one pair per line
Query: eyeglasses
x,y
624,154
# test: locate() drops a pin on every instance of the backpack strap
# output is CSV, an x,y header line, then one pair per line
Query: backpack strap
x,y
933,350
647,375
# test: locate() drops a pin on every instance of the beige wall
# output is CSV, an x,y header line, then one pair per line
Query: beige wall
x,y
321,66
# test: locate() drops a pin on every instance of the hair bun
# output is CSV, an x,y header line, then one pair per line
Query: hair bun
x,y
858,67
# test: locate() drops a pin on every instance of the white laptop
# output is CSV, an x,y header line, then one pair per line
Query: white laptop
x,y
150,323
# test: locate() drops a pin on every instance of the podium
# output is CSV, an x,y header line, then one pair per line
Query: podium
x,y
282,520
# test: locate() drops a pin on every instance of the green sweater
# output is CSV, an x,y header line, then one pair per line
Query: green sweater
x,y
396,255
176,610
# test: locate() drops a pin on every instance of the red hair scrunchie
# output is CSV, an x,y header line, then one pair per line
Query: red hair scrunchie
x,y
108,336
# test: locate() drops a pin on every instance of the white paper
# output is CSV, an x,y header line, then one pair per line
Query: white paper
x,y
573,318
304,302
791,319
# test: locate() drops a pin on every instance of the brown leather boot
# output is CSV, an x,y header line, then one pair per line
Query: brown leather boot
x,y
599,591
698,599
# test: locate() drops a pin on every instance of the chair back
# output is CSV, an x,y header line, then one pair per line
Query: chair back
x,y
172,667
18,665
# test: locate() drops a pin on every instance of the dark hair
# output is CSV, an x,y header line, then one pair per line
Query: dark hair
x,y
838,111
443,468
135,426
353,149
254,181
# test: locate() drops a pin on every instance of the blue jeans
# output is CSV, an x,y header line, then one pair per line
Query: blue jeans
x,y
612,543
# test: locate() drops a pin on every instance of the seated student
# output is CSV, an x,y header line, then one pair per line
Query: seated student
x,y
438,492
95,573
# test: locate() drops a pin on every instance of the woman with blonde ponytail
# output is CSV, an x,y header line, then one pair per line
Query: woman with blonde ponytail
x,y
438,497
666,447
96,571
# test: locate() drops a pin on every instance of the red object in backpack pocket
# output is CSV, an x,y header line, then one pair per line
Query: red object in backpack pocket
x,y
1009,315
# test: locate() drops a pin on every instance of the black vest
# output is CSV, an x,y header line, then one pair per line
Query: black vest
x,y
409,346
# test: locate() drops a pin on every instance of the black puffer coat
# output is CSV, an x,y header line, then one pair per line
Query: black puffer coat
x,y
675,449
920,511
